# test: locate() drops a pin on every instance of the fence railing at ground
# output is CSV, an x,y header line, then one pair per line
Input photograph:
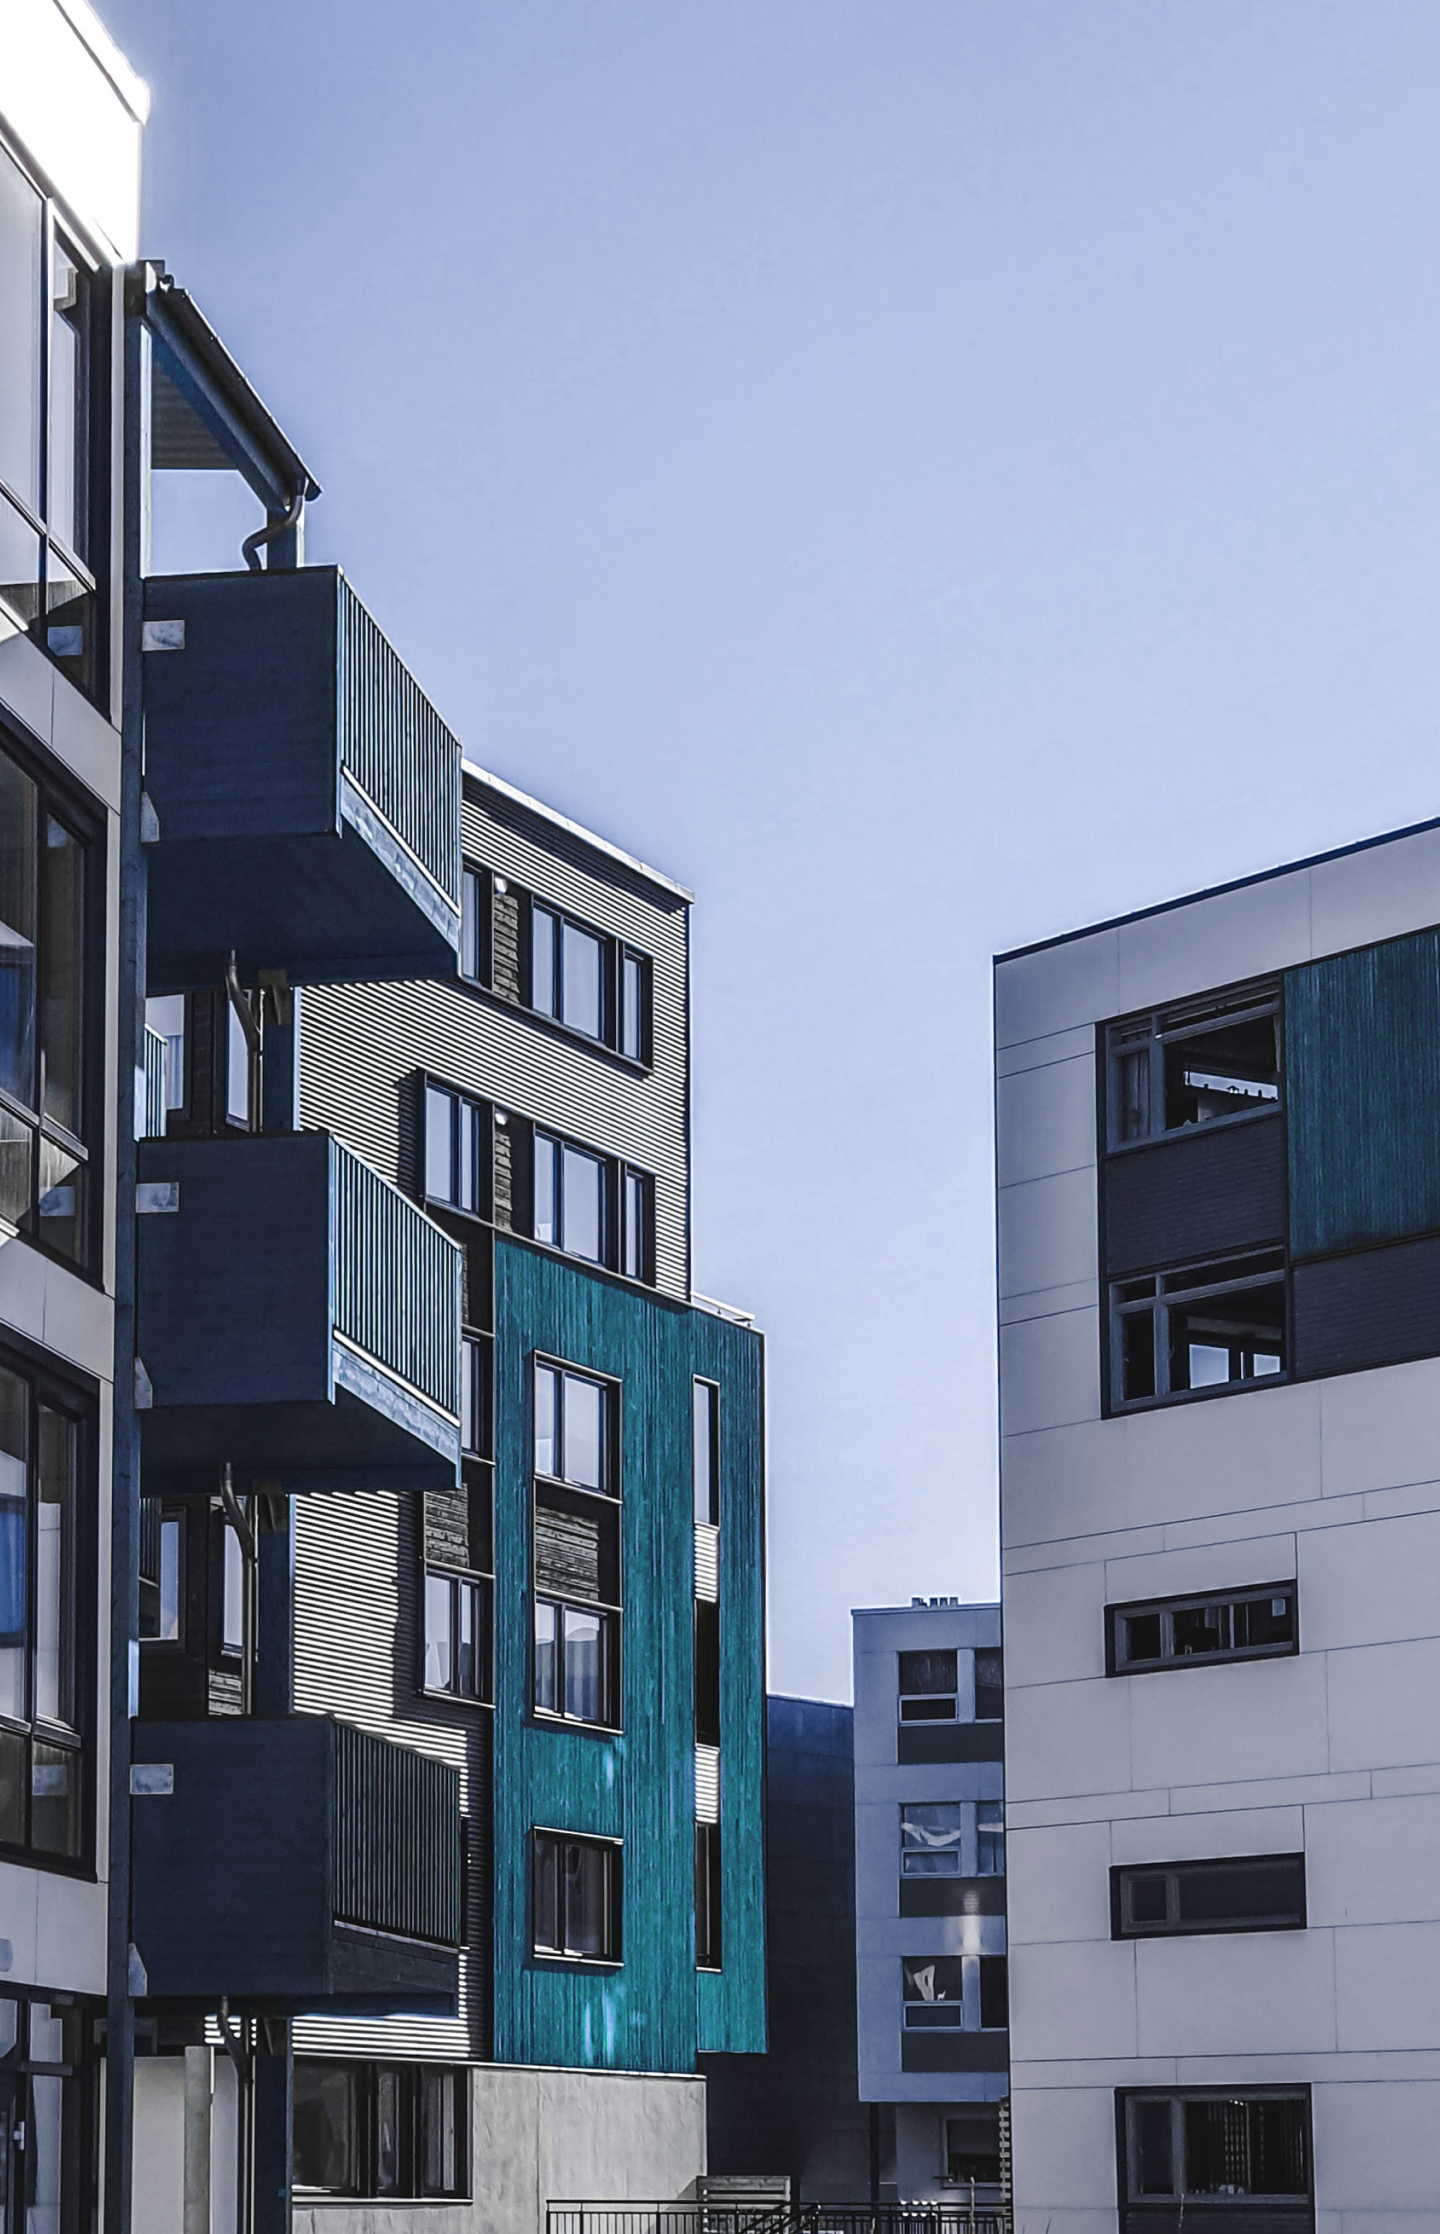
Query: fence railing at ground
x,y
960,2217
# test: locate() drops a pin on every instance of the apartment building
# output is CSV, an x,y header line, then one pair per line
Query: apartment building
x,y
381,1721
70,121
1220,1362
930,1929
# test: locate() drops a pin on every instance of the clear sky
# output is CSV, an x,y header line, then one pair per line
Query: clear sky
x,y
926,473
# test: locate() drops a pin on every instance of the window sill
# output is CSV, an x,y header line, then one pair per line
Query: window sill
x,y
581,1965
54,1865
1125,1410
1188,1660
543,1718
1196,1132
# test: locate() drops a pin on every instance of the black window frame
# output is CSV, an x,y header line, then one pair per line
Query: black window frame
x,y
77,2069
364,2087
1171,1880
560,1493
908,1695
709,1898
77,1739
710,1517
983,1982
615,953
611,1852
966,1849
57,800
1142,2207
466,1109
480,1590
1156,1030
86,667
625,1190
1162,1295
1120,1662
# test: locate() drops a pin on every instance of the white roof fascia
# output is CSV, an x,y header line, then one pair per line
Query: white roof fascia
x,y
559,821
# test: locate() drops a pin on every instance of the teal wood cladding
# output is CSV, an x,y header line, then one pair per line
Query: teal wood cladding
x,y
653,2011
1362,1077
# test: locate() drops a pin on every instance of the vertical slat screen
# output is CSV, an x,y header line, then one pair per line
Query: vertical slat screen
x,y
396,1839
1362,1083
397,1280
156,1062
394,745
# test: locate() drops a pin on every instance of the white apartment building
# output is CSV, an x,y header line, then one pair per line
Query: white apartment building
x,y
1219,1232
930,1957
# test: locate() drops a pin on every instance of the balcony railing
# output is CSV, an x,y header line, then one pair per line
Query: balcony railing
x,y
299,1319
394,1810
709,2217
394,745
156,1066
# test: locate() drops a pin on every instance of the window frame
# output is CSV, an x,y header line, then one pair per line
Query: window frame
x,y
612,1850
57,799
709,1898
1179,1020
1119,1663
615,952
54,1392
86,670
477,893
481,1589
607,1502
965,1852
1124,1876
611,1644
711,1517
481,1116
363,2073
966,2013
1169,1295
1180,2196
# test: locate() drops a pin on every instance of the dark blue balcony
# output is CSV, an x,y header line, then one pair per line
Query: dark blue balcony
x,y
295,1865
307,792
298,1317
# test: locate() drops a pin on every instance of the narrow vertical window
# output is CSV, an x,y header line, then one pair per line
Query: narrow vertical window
x,y
546,1190
543,943
707,1453
67,504
708,1945
474,925
439,1143
582,1196
232,1595
40,1624
21,250
582,1004
633,1018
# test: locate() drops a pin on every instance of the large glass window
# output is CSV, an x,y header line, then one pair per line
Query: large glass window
x,y
49,362
573,1427
457,1151
44,1176
1219,2149
952,1838
1211,1326
41,1753
1198,1064
1183,1632
954,1992
457,1634
378,2129
576,1548
575,1897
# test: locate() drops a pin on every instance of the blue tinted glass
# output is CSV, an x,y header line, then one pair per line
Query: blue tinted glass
x,y
545,1153
582,985
439,1145
583,1224
542,961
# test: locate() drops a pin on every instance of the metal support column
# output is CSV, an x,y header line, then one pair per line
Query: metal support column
x,y
274,2098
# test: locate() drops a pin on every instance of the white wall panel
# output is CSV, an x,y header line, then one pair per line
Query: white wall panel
x,y
1045,1120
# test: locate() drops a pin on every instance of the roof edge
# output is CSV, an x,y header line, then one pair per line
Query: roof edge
x,y
559,821
1217,891
127,81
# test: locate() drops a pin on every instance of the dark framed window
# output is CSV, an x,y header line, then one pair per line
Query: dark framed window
x,y
989,1684
709,1946
957,1993
575,1897
707,1671
49,2114
637,1223
1202,1062
929,1686
46,1620
1254,1892
197,1609
457,1150
1198,1330
952,1838
475,1378
576,1423
1228,2149
571,1204
46,907
577,1653
585,980
634,1039
576,1615
1260,1623
377,2129
458,1633
52,387
476,927
706,1444
972,2148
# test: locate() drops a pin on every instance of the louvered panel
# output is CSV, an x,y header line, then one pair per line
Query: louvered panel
x,y
707,1562
357,1655
707,1783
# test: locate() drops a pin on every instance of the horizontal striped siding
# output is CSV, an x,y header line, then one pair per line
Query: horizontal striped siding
x,y
357,1647
359,1044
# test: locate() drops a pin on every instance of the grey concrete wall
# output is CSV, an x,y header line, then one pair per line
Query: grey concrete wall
x,y
544,2136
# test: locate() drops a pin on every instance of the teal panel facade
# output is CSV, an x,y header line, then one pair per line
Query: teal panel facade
x,y
654,2011
1362,1083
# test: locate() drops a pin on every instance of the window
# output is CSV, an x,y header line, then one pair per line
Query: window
x,y
49,2115
573,1427
161,1574
1211,1326
570,1195
232,1593
576,1897
474,1396
929,1686
1199,1064
475,925
44,1165
635,1006
1218,2148
49,366
165,1014
457,1634
457,1151
706,1426
707,1672
1259,1623
931,1836
1261,1892
990,1838
577,1548
989,1687
954,1992
636,1224
43,1617
374,2129
590,984
707,1896
972,2148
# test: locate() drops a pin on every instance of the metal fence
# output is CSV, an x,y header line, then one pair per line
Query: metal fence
x,y
396,747
397,1280
396,1838
156,1066
960,2217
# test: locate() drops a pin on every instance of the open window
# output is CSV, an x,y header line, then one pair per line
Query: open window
x,y
1199,1063
575,1897
1199,1329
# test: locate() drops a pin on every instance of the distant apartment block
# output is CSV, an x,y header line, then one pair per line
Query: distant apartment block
x,y
1219,1219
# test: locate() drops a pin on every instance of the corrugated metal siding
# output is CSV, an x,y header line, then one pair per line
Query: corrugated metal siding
x,y
1369,1307
357,1648
1362,1082
359,1043
1195,1195
638,1786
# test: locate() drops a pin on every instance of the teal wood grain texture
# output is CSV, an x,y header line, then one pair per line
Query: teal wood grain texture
x,y
653,2011
1362,1081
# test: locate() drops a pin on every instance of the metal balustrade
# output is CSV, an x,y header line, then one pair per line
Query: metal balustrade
x,y
960,2217
396,1280
396,1838
394,745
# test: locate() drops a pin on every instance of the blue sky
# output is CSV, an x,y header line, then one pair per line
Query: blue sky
x,y
924,474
